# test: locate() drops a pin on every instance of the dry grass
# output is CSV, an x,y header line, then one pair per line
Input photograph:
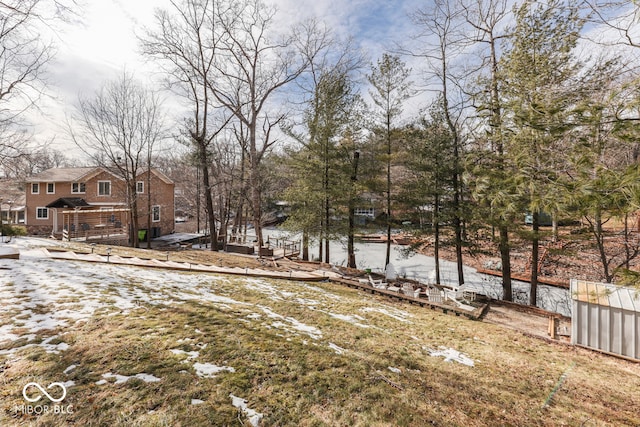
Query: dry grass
x,y
295,379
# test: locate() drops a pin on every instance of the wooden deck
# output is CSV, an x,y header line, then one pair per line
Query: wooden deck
x,y
422,302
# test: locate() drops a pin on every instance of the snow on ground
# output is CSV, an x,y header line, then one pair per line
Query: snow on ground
x,y
336,348
240,403
209,370
421,267
121,379
43,297
392,312
451,355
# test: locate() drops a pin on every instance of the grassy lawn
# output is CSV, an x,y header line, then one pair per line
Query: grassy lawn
x,y
299,354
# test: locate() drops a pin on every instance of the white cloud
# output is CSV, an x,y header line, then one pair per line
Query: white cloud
x,y
102,43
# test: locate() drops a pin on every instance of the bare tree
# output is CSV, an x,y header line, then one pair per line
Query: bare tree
x,y
118,128
254,65
35,161
620,17
185,42
24,55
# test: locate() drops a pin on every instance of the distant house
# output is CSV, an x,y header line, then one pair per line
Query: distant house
x,y
12,202
92,201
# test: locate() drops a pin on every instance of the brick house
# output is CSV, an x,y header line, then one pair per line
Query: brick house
x,y
90,201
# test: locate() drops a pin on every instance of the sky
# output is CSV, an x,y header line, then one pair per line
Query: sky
x,y
100,44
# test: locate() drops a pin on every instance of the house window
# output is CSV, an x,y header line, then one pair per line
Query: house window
x,y
78,187
369,212
104,188
35,188
42,213
51,188
140,187
155,213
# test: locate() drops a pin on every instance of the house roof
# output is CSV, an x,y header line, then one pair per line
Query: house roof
x,y
83,174
61,175
68,202
161,176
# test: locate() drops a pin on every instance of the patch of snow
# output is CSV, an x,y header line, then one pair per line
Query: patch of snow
x,y
399,315
395,370
337,349
451,355
54,348
190,354
208,370
240,403
121,379
312,331
69,369
6,335
311,303
353,319
147,378
197,402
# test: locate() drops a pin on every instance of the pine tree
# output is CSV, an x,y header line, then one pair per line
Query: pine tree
x,y
431,164
391,88
322,187
540,75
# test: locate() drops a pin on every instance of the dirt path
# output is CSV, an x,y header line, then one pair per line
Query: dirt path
x,y
530,322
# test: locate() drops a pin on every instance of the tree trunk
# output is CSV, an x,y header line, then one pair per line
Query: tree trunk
x,y
436,236
388,254
321,241
351,263
535,247
135,221
326,236
598,233
149,213
256,201
457,222
507,293
254,176
208,197
305,245
327,210
627,250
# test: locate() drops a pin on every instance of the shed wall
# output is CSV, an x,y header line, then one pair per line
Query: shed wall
x,y
599,324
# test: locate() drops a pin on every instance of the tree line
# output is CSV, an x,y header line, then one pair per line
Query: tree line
x,y
526,107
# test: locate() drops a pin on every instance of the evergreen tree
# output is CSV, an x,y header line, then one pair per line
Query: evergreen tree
x,y
431,165
391,88
323,166
541,83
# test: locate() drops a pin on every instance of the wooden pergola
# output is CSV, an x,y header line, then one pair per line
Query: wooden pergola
x,y
86,224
